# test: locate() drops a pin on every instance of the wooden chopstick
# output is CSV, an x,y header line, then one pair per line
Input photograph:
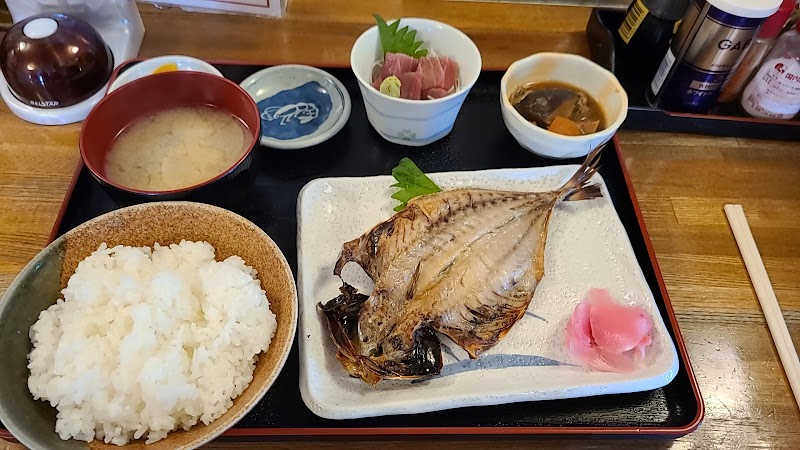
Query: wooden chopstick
x,y
766,296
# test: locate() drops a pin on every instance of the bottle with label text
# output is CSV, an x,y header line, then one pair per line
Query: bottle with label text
x,y
774,91
753,56
709,42
645,34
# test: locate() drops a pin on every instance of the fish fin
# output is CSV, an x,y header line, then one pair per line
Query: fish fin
x,y
366,250
462,339
580,186
341,314
424,359
349,250
587,192
362,250
490,323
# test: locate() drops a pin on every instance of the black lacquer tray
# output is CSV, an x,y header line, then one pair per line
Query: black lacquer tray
x,y
267,195
723,120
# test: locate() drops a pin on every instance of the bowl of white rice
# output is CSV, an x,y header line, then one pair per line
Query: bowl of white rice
x,y
156,326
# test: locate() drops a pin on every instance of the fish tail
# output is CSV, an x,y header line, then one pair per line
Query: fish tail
x,y
580,186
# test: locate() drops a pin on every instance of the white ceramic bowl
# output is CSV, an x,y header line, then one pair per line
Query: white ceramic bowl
x,y
300,106
39,284
416,122
148,66
571,69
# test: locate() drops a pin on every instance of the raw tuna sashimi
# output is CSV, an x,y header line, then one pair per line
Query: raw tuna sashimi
x,y
450,74
395,64
433,70
432,73
606,335
406,63
437,72
411,85
433,76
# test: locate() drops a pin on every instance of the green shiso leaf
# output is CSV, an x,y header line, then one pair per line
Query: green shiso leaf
x,y
399,40
412,183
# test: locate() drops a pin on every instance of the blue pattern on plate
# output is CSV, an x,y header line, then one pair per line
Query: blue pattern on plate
x,y
295,112
530,314
493,362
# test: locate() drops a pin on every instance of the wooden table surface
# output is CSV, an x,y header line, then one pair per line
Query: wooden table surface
x,y
682,183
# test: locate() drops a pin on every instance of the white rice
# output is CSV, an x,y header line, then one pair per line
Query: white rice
x,y
146,342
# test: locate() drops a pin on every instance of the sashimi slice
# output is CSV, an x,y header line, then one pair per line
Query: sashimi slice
x,y
407,63
606,335
391,66
394,64
450,74
432,72
429,77
438,72
410,85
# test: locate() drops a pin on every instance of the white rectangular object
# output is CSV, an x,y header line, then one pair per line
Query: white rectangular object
x,y
273,8
587,246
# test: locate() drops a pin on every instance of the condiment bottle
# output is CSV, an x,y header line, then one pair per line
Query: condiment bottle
x,y
709,42
753,56
645,33
774,91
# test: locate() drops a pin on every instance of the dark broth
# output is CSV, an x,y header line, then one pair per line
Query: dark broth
x,y
542,102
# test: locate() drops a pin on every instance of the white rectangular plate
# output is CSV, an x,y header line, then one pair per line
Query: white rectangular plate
x,y
586,247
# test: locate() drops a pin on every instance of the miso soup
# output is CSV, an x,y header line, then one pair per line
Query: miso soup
x,y
176,148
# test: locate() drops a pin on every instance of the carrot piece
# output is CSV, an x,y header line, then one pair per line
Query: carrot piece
x,y
562,125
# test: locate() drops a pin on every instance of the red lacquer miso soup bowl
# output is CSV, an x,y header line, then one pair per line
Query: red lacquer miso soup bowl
x,y
148,98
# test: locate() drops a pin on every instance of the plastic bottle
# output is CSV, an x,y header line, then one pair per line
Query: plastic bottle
x,y
774,91
753,56
645,33
709,42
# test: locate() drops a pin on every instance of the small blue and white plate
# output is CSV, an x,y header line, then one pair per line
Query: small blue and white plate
x,y
300,105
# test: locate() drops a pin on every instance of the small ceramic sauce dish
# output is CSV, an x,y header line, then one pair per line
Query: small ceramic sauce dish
x,y
169,63
300,106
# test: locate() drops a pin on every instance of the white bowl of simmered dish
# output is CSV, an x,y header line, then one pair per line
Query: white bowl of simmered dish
x,y
170,136
561,105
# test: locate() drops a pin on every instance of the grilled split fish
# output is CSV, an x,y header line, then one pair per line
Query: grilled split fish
x,y
464,263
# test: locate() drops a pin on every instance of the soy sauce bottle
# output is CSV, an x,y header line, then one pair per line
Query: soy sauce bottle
x,y
644,37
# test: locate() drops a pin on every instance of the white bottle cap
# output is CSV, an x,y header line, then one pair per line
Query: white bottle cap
x,y
751,9
40,28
